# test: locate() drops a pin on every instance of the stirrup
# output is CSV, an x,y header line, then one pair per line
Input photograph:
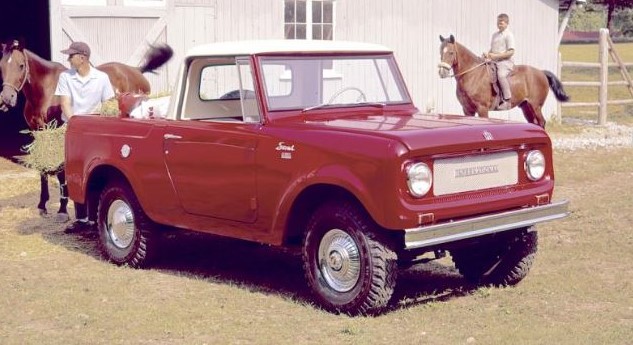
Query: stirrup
x,y
504,105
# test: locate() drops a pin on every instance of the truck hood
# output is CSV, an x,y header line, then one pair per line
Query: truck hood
x,y
421,131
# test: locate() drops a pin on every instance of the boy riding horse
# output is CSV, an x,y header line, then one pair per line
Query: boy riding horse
x,y
501,51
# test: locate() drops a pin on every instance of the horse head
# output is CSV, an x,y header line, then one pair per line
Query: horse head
x,y
448,56
14,67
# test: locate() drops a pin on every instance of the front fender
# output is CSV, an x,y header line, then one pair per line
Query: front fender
x,y
340,176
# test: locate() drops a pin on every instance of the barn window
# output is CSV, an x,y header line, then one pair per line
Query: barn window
x,y
309,19
147,3
84,2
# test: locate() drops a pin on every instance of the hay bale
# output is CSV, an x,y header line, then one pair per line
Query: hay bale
x,y
110,108
46,152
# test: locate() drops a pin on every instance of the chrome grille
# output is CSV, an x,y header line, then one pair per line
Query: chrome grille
x,y
468,173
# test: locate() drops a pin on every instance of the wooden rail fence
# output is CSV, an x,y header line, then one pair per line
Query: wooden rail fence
x,y
606,48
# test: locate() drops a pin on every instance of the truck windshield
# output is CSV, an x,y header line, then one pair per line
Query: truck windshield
x,y
311,82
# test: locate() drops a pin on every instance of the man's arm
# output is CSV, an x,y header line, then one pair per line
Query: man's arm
x,y
500,56
108,90
63,92
65,103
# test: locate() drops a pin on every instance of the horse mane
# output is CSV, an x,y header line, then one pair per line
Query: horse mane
x,y
53,65
472,58
40,63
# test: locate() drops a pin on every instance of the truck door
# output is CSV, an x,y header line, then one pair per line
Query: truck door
x,y
210,149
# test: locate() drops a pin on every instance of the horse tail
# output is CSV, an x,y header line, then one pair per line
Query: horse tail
x,y
556,86
157,56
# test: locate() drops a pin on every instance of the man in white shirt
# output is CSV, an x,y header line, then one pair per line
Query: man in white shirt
x,y
81,90
501,51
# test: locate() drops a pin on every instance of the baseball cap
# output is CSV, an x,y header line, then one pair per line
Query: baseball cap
x,y
77,48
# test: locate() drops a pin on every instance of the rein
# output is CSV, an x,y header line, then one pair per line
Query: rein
x,y
24,79
449,67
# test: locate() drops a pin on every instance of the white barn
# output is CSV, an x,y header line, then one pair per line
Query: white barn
x,y
119,30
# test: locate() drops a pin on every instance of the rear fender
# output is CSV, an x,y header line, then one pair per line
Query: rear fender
x,y
99,176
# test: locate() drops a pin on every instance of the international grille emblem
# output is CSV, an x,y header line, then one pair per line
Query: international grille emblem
x,y
488,135
477,170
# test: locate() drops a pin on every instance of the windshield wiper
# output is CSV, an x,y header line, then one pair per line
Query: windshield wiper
x,y
371,104
314,107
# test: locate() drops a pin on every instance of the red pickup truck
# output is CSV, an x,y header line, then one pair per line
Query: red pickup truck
x,y
317,146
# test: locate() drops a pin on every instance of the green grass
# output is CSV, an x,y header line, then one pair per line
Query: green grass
x,y
56,289
590,53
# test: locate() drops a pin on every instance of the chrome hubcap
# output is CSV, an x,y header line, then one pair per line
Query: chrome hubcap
x,y
339,260
120,224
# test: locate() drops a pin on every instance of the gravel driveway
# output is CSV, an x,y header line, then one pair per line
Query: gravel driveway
x,y
610,135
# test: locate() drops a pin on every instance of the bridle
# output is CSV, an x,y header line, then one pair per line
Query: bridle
x,y
26,74
448,67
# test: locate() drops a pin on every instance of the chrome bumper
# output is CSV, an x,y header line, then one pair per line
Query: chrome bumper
x,y
425,236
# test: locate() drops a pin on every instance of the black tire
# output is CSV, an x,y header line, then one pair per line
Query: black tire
x,y
503,261
126,234
359,274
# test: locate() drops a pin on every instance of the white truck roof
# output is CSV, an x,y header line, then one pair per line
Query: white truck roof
x,y
282,46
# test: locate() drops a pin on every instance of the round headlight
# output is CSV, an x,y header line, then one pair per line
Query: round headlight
x,y
535,165
419,179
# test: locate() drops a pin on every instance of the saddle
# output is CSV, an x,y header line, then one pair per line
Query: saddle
x,y
491,67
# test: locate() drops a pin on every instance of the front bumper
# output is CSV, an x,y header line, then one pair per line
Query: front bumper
x,y
431,235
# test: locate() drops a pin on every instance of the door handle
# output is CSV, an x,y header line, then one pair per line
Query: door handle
x,y
171,136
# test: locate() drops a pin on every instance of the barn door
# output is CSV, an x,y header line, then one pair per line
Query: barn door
x,y
115,30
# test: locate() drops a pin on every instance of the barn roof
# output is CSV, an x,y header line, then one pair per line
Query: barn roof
x,y
286,46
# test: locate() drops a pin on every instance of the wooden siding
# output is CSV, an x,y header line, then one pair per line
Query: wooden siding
x,y
248,19
114,33
410,27
227,20
130,33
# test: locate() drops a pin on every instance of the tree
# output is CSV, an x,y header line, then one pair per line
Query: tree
x,y
623,21
612,6
587,19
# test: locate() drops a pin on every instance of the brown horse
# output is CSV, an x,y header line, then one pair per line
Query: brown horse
x,y
24,71
476,90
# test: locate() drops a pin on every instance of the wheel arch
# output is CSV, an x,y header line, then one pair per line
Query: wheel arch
x,y
100,177
307,202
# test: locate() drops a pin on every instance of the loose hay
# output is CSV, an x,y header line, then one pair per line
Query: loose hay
x,y
46,152
110,108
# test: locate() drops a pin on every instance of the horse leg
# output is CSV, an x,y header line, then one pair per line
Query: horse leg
x,y
469,110
44,196
62,213
538,116
482,111
532,114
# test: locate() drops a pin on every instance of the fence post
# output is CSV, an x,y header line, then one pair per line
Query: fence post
x,y
604,76
623,70
559,73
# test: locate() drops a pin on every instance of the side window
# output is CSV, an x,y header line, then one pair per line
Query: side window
x,y
221,90
250,111
219,82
